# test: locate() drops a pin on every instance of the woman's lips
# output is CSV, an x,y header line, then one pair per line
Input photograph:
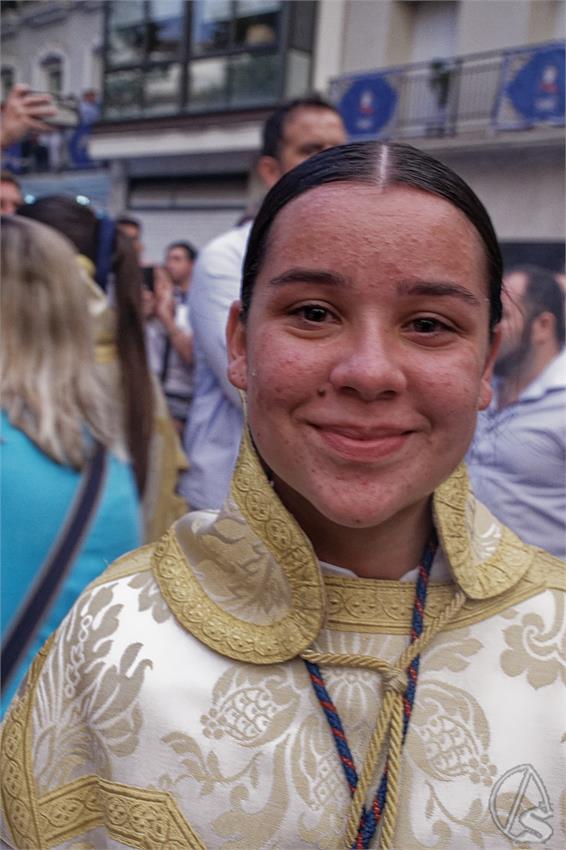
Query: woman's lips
x,y
362,444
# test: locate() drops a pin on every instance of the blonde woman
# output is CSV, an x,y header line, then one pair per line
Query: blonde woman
x,y
69,502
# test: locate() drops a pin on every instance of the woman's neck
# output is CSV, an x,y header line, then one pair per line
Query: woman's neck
x,y
386,551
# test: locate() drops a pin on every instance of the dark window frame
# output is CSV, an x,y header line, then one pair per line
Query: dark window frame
x,y
187,56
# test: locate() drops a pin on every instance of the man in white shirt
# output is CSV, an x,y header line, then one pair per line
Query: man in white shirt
x,y
293,133
517,461
169,333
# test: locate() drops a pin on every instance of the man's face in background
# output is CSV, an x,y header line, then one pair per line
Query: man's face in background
x,y
308,130
133,232
515,325
10,197
179,265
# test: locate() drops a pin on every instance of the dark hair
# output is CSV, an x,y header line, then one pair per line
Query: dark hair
x,y
543,294
8,177
384,165
189,249
129,221
274,127
80,225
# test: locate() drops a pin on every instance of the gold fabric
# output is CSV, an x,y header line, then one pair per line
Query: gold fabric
x,y
173,709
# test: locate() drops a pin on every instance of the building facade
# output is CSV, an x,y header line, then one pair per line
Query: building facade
x,y
187,85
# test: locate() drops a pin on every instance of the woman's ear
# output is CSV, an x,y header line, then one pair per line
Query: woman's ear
x,y
486,388
236,347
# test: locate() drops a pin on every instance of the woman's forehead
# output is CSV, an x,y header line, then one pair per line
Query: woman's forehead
x,y
367,216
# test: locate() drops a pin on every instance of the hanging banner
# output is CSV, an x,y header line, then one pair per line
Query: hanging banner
x,y
532,90
366,103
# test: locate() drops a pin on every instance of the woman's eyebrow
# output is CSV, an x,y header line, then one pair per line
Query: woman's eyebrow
x,y
454,290
304,275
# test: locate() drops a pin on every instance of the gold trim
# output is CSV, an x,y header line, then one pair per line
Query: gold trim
x,y
279,640
498,573
139,817
138,561
19,798
513,573
385,607
223,632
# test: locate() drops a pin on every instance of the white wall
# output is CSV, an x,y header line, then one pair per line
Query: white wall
x,y
435,30
73,37
199,227
327,52
522,189
492,25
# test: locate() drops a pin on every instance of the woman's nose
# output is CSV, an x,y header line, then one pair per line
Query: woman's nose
x,y
370,365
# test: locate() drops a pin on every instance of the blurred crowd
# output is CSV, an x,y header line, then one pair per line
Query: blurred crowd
x,y
117,413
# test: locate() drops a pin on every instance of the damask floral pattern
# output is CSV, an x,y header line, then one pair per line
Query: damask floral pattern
x,y
175,723
453,732
78,684
149,598
252,709
537,648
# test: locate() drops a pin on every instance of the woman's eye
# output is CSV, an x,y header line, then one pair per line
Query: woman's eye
x,y
427,325
313,313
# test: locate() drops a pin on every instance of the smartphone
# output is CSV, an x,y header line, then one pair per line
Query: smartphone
x,y
67,115
149,277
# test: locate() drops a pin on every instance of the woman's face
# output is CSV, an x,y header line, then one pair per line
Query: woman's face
x,y
366,351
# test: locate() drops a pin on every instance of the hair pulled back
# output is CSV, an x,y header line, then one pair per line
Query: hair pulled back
x,y
384,165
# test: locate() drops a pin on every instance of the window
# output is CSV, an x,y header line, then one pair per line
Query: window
x,y
52,73
244,38
166,56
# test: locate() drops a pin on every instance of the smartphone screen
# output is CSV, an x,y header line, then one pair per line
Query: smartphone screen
x,y
149,277
67,115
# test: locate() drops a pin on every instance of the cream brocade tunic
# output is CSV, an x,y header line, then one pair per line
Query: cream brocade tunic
x,y
172,710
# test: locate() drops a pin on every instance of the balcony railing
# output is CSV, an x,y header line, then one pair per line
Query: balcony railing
x,y
479,94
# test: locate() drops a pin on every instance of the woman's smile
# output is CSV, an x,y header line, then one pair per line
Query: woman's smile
x,y
361,443
365,350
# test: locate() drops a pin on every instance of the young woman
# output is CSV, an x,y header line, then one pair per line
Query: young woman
x,y
353,652
68,495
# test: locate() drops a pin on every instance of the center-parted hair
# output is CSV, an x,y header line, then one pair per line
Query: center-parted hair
x,y
385,166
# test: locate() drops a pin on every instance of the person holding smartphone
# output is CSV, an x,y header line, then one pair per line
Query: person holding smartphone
x,y
168,330
25,111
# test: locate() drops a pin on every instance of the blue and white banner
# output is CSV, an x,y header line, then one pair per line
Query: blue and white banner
x,y
532,90
367,104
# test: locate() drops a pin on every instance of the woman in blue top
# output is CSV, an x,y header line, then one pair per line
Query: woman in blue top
x,y
69,504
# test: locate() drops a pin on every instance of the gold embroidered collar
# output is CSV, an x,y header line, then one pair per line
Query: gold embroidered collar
x,y
247,583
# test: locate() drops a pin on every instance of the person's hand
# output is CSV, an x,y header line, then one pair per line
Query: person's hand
x,y
148,303
23,111
164,298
